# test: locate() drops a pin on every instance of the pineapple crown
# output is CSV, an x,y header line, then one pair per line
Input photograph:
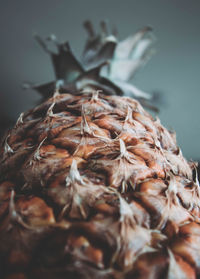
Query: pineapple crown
x,y
106,64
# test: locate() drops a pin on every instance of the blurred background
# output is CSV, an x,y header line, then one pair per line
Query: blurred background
x,y
174,70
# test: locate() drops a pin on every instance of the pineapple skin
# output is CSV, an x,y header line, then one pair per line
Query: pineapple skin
x,y
92,186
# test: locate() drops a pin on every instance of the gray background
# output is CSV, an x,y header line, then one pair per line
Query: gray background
x,y
173,70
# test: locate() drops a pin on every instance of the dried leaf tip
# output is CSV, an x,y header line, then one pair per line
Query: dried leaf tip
x,y
12,211
125,209
14,216
55,95
95,95
172,191
20,120
74,175
196,183
129,116
196,178
50,110
85,128
123,151
89,28
36,156
7,147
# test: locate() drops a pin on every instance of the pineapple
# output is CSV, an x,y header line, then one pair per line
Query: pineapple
x,y
92,186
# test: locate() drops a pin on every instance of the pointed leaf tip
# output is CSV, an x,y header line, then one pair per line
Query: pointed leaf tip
x,y
74,175
123,150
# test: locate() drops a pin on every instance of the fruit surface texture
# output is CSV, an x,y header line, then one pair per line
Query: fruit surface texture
x,y
92,186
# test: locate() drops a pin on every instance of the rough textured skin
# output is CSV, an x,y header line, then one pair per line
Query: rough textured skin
x,y
93,187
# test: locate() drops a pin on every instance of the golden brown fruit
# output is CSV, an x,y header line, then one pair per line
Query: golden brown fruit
x,y
92,192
